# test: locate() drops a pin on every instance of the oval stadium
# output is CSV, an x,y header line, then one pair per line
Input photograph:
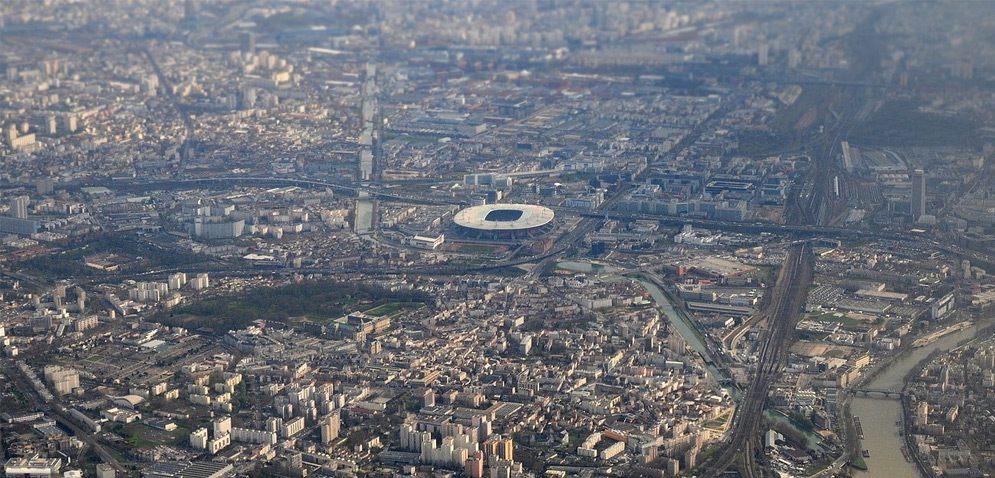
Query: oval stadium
x,y
503,221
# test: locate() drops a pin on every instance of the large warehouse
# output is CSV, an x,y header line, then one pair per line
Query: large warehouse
x,y
503,221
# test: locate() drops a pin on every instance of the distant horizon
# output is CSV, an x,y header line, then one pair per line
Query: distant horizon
x,y
539,238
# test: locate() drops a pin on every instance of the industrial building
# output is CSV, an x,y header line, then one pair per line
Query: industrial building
x,y
188,469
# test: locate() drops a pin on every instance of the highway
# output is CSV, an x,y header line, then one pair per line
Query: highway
x,y
799,228
166,86
263,181
252,271
590,220
38,282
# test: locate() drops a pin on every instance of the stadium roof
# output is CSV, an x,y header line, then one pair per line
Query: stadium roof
x,y
504,217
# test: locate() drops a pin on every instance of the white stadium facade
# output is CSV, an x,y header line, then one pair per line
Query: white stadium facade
x,y
503,221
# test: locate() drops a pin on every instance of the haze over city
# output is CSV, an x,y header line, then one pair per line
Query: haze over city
x,y
497,238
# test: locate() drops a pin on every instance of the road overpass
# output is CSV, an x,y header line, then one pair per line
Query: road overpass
x,y
607,211
262,181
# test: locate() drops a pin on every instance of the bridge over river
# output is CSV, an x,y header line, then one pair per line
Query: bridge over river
x,y
877,393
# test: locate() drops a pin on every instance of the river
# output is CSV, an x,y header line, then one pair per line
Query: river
x,y
879,417
364,214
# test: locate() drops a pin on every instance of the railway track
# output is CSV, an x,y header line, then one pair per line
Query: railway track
x,y
781,315
57,412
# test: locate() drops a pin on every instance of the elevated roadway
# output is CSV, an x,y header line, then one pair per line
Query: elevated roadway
x,y
606,212
263,181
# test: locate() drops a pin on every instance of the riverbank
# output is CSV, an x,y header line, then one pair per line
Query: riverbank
x,y
934,336
982,332
883,419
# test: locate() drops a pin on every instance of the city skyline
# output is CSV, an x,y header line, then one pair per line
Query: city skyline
x,y
538,238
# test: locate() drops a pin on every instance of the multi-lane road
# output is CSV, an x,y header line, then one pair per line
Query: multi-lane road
x,y
800,227
58,412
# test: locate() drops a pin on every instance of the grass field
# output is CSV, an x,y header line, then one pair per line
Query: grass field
x,y
317,300
393,308
764,273
140,435
857,461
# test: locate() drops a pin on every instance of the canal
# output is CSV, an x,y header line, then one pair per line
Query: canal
x,y
364,214
679,321
683,326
